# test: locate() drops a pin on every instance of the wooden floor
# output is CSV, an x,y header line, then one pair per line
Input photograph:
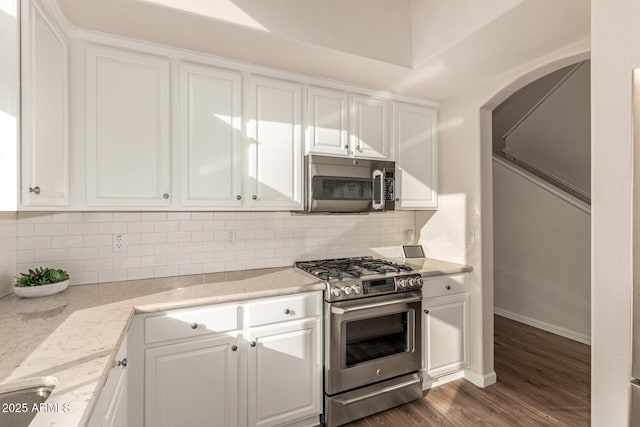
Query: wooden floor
x,y
543,380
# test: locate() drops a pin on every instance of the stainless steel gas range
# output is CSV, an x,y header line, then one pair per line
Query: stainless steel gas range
x,y
372,352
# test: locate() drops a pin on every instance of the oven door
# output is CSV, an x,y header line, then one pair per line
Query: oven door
x,y
372,339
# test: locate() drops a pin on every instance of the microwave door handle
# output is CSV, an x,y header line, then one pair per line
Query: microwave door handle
x,y
379,203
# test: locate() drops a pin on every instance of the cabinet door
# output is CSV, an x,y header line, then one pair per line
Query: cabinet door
x,y
416,148
369,135
128,129
285,371
192,384
328,112
45,136
445,329
210,137
116,414
274,169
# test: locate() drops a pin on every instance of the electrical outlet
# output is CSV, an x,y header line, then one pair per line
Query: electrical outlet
x,y
119,243
231,239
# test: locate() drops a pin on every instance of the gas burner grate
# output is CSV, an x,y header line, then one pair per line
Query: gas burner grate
x,y
340,268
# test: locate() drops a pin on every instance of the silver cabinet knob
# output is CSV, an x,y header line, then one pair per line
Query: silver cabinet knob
x,y
252,343
165,196
194,326
397,199
287,311
346,147
426,312
34,190
122,363
448,287
238,197
358,147
254,197
379,372
234,348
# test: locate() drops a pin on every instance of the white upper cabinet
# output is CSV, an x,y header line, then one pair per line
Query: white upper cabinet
x,y
210,137
45,136
327,127
416,148
127,129
274,145
369,122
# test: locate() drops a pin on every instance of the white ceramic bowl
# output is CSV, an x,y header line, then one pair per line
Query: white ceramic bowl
x,y
42,290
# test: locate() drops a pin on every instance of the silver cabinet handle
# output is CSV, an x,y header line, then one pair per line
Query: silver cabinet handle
x,y
165,196
122,363
252,343
194,325
34,190
254,197
238,197
234,348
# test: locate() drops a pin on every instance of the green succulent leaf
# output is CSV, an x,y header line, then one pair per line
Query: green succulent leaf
x,y
41,276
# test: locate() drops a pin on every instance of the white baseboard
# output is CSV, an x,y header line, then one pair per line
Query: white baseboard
x,y
429,382
480,380
563,332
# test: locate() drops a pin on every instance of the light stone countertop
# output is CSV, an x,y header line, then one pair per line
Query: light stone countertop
x,y
73,336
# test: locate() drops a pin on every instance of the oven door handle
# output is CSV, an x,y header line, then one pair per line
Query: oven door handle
x,y
339,310
345,402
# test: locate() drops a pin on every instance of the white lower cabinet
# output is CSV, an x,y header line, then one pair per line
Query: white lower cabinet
x,y
193,383
111,409
255,363
284,373
445,326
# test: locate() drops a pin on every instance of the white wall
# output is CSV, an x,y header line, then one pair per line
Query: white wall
x,y
161,244
465,186
8,251
556,136
615,53
542,256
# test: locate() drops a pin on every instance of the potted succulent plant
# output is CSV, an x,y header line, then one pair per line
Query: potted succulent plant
x,y
41,282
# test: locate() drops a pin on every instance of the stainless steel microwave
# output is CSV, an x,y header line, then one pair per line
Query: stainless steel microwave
x,y
335,184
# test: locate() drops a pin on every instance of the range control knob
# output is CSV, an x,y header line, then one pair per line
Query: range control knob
x,y
412,283
356,289
346,290
336,292
419,281
402,283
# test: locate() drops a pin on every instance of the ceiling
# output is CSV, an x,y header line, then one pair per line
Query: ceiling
x,y
431,49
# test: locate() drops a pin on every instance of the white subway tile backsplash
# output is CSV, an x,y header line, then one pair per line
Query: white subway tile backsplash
x,y
50,229
26,229
34,242
160,244
98,216
112,276
140,227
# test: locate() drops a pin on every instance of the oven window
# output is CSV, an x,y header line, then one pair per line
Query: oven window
x,y
376,337
337,188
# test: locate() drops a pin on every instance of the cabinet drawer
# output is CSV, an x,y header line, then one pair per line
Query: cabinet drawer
x,y
445,285
190,323
281,309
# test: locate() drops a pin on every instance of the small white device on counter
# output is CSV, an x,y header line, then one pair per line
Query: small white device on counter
x,y
412,251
